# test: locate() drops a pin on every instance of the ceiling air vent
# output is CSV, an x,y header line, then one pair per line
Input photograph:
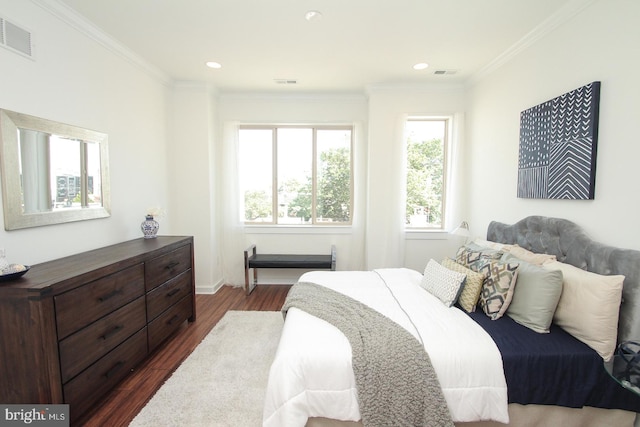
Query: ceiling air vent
x,y
15,38
444,72
286,81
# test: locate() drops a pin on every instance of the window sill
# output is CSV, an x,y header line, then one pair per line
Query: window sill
x,y
426,235
297,229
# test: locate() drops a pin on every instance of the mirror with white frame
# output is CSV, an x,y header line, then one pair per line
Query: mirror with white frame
x,y
51,172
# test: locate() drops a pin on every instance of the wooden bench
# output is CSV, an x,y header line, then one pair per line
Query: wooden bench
x,y
253,260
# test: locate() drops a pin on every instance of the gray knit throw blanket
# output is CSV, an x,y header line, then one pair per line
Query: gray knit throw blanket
x,y
396,383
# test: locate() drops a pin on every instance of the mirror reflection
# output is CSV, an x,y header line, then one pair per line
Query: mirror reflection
x,y
58,172
52,172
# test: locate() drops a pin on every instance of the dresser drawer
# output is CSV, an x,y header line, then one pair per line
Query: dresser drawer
x,y
167,294
165,267
169,321
81,349
83,391
79,307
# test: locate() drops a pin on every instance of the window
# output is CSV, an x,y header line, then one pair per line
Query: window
x,y
426,154
296,175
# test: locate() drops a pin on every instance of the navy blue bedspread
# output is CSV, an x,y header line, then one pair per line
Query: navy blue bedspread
x,y
553,368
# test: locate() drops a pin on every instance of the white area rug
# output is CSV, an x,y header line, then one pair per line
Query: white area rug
x,y
223,382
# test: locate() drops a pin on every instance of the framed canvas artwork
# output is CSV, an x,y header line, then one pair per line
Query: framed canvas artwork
x,y
558,145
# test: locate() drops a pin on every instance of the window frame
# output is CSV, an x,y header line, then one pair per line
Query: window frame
x,y
314,222
446,147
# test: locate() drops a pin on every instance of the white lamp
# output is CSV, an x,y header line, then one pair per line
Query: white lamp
x,y
462,230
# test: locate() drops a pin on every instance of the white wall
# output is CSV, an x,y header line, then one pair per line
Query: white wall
x,y
192,192
387,108
599,44
75,80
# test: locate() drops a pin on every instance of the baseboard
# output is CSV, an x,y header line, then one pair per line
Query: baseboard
x,y
209,290
282,281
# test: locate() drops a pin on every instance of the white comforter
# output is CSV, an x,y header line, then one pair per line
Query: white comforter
x,y
312,376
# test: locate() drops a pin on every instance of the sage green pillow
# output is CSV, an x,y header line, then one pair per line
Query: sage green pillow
x,y
536,295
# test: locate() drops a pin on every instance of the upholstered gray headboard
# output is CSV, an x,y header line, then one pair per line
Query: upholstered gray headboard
x,y
571,245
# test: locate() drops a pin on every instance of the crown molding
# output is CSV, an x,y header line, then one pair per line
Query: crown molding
x,y
69,16
308,97
427,87
564,14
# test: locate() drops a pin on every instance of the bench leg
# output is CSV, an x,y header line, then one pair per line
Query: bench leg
x,y
248,285
250,252
246,280
333,257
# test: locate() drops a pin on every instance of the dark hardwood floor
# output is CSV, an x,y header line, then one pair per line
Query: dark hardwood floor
x,y
120,406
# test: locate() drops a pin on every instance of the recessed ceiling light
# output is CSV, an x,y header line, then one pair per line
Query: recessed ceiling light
x,y
212,64
420,66
313,15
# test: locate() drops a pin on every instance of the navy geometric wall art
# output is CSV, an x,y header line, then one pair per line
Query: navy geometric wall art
x,y
558,146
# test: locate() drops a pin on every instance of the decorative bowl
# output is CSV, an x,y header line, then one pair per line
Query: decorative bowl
x,y
11,275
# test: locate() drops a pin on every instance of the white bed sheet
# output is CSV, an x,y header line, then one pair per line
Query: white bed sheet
x,y
312,375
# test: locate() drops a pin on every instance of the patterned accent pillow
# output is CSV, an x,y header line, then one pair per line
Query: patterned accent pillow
x,y
471,254
470,295
498,286
442,282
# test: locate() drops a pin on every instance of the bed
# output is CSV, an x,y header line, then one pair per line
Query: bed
x,y
510,358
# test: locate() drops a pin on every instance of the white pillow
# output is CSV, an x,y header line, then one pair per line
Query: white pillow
x,y
589,307
530,257
493,245
442,282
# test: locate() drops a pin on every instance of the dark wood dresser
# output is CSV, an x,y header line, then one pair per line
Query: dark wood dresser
x,y
72,328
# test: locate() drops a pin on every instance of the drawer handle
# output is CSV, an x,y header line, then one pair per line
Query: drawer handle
x,y
111,332
109,295
115,368
173,292
171,265
173,319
